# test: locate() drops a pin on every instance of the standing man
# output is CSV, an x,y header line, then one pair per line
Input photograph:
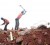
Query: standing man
x,y
17,19
6,22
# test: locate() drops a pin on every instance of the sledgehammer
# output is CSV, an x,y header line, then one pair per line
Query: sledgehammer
x,y
22,7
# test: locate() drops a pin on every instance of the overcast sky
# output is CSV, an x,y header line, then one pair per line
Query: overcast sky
x,y
38,12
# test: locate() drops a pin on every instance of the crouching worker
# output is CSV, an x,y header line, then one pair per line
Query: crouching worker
x,y
6,22
17,19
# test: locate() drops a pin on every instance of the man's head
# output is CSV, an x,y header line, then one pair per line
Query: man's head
x,y
2,18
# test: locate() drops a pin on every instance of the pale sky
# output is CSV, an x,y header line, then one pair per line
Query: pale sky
x,y
38,12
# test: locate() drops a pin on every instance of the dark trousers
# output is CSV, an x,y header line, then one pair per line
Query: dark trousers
x,y
16,24
5,28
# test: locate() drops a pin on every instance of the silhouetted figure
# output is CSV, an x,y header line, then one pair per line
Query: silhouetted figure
x,y
6,22
17,19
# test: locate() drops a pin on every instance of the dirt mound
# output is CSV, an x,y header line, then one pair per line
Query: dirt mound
x,y
39,36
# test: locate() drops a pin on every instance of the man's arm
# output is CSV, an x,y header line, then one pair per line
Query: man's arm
x,y
23,12
3,23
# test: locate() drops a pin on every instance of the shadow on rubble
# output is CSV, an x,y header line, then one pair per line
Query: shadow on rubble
x,y
19,43
42,27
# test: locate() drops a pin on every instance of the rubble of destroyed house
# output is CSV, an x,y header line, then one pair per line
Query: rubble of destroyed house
x,y
38,36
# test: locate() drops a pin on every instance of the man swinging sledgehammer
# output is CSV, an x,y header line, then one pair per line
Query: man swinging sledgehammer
x,y
18,17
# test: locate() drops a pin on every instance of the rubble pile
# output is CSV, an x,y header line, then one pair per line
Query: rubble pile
x,y
38,36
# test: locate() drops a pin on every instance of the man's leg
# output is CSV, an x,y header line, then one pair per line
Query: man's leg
x,y
16,27
17,24
5,28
